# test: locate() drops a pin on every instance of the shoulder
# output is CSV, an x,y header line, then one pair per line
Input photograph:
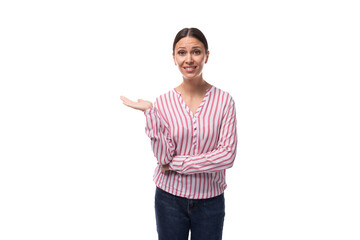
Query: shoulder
x,y
225,102
165,99
225,96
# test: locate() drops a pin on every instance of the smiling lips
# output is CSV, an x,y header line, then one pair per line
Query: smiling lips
x,y
190,69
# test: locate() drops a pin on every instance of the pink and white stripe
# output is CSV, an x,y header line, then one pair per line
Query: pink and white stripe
x,y
198,147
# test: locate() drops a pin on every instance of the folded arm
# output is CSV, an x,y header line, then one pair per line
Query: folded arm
x,y
220,158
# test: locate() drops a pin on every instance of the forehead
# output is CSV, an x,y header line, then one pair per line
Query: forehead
x,y
189,42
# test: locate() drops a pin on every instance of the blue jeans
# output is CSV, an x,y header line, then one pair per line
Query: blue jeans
x,y
175,216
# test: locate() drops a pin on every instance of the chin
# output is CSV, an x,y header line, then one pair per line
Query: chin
x,y
191,75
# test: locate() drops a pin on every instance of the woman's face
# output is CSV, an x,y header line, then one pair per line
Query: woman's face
x,y
190,57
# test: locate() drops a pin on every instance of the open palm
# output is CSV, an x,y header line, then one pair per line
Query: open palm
x,y
142,105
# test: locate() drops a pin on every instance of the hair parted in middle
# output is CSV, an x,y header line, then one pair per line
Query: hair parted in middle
x,y
191,32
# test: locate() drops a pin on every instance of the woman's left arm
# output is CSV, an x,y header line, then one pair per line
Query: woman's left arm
x,y
219,159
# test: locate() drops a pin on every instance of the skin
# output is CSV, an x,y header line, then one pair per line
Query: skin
x,y
190,57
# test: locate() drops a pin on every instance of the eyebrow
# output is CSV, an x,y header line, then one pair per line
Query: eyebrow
x,y
192,47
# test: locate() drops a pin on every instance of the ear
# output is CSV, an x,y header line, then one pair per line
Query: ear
x,y
207,57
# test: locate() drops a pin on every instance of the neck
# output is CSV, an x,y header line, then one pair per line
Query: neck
x,y
194,86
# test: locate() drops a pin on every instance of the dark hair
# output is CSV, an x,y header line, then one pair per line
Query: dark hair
x,y
191,32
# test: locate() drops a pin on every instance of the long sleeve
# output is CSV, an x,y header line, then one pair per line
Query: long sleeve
x,y
157,130
222,157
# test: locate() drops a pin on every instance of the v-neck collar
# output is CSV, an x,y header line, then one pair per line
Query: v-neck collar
x,y
198,110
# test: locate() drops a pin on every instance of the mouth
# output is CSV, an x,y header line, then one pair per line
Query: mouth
x,y
190,69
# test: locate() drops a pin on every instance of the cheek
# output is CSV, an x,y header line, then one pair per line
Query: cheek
x,y
202,60
180,61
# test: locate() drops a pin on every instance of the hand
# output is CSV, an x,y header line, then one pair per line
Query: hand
x,y
142,105
165,168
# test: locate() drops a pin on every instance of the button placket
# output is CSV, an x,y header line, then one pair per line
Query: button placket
x,y
195,132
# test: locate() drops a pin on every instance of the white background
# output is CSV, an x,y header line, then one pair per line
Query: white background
x,y
76,163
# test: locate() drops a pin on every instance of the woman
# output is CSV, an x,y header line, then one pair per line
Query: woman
x,y
193,136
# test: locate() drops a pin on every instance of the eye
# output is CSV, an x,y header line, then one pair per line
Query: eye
x,y
197,52
181,52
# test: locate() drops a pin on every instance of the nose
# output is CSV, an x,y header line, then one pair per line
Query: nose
x,y
189,58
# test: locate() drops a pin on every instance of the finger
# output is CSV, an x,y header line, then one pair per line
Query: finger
x,y
128,102
139,105
125,99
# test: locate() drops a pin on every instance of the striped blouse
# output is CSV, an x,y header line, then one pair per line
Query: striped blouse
x,y
198,147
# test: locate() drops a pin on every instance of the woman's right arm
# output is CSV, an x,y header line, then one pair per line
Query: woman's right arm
x,y
159,134
157,130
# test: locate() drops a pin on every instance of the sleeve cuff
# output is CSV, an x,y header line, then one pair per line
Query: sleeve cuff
x,y
149,111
